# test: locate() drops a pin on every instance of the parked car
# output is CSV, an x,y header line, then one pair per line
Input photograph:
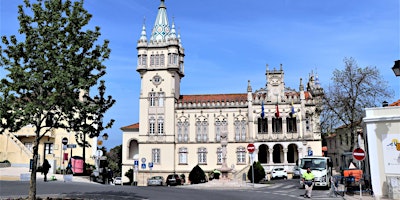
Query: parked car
x,y
278,173
173,179
117,181
155,180
296,172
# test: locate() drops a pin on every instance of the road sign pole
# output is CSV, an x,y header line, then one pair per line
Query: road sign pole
x,y
359,182
252,167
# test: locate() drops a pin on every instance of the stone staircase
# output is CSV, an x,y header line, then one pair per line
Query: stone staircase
x,y
14,140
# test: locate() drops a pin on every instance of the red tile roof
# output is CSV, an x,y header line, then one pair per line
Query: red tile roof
x,y
396,103
131,127
213,98
225,97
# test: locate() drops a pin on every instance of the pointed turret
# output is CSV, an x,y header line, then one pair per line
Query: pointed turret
x,y
161,27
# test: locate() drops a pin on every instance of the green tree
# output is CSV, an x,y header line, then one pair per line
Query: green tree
x,y
114,160
49,69
259,172
90,117
197,175
353,89
129,174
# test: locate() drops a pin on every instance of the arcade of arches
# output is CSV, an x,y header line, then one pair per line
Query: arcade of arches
x,y
278,153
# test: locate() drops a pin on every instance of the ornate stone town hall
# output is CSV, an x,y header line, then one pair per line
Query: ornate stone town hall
x,y
176,132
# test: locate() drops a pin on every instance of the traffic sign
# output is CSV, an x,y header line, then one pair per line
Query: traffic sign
x,y
71,145
143,165
251,148
64,141
150,165
136,163
359,154
143,160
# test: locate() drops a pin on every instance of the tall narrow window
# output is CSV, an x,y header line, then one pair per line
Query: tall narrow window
x,y
180,131
162,60
160,126
219,155
161,99
139,60
157,60
144,59
152,99
241,155
291,125
244,130
218,130
277,125
48,148
202,155
240,130
202,131
155,154
183,155
152,60
262,126
186,131
169,58
152,123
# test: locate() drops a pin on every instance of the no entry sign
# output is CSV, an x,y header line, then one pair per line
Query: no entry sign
x,y
251,148
359,154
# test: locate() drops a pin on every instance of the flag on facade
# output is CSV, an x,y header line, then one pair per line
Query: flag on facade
x,y
293,112
277,111
262,110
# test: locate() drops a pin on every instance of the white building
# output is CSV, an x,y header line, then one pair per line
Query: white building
x,y
382,126
179,131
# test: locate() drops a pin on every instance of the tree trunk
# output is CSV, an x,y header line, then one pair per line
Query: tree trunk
x,y
32,186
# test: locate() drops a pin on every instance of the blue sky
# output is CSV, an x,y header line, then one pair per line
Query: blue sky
x,y
229,42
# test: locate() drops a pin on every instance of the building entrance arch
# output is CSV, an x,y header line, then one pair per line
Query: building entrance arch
x,y
263,153
277,155
293,153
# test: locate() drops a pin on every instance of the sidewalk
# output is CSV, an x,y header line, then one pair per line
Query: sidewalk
x,y
23,174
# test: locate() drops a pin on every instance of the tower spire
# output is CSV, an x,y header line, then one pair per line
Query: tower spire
x,y
143,35
161,27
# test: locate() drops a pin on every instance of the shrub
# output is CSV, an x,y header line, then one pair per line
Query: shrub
x,y
259,172
129,174
197,175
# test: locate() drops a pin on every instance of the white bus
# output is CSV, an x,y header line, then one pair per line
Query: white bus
x,y
320,166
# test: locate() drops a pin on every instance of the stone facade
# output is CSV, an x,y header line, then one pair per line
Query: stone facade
x,y
176,132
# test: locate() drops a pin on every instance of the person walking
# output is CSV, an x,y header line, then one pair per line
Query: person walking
x,y
46,166
308,181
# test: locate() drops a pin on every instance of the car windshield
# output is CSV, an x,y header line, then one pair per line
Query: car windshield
x,y
313,163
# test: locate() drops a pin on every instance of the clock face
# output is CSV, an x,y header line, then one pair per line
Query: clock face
x,y
274,81
156,80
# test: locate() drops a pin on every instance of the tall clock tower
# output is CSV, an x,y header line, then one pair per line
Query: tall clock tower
x,y
160,65
275,84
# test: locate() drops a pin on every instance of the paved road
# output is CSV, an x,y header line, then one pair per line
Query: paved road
x,y
279,189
